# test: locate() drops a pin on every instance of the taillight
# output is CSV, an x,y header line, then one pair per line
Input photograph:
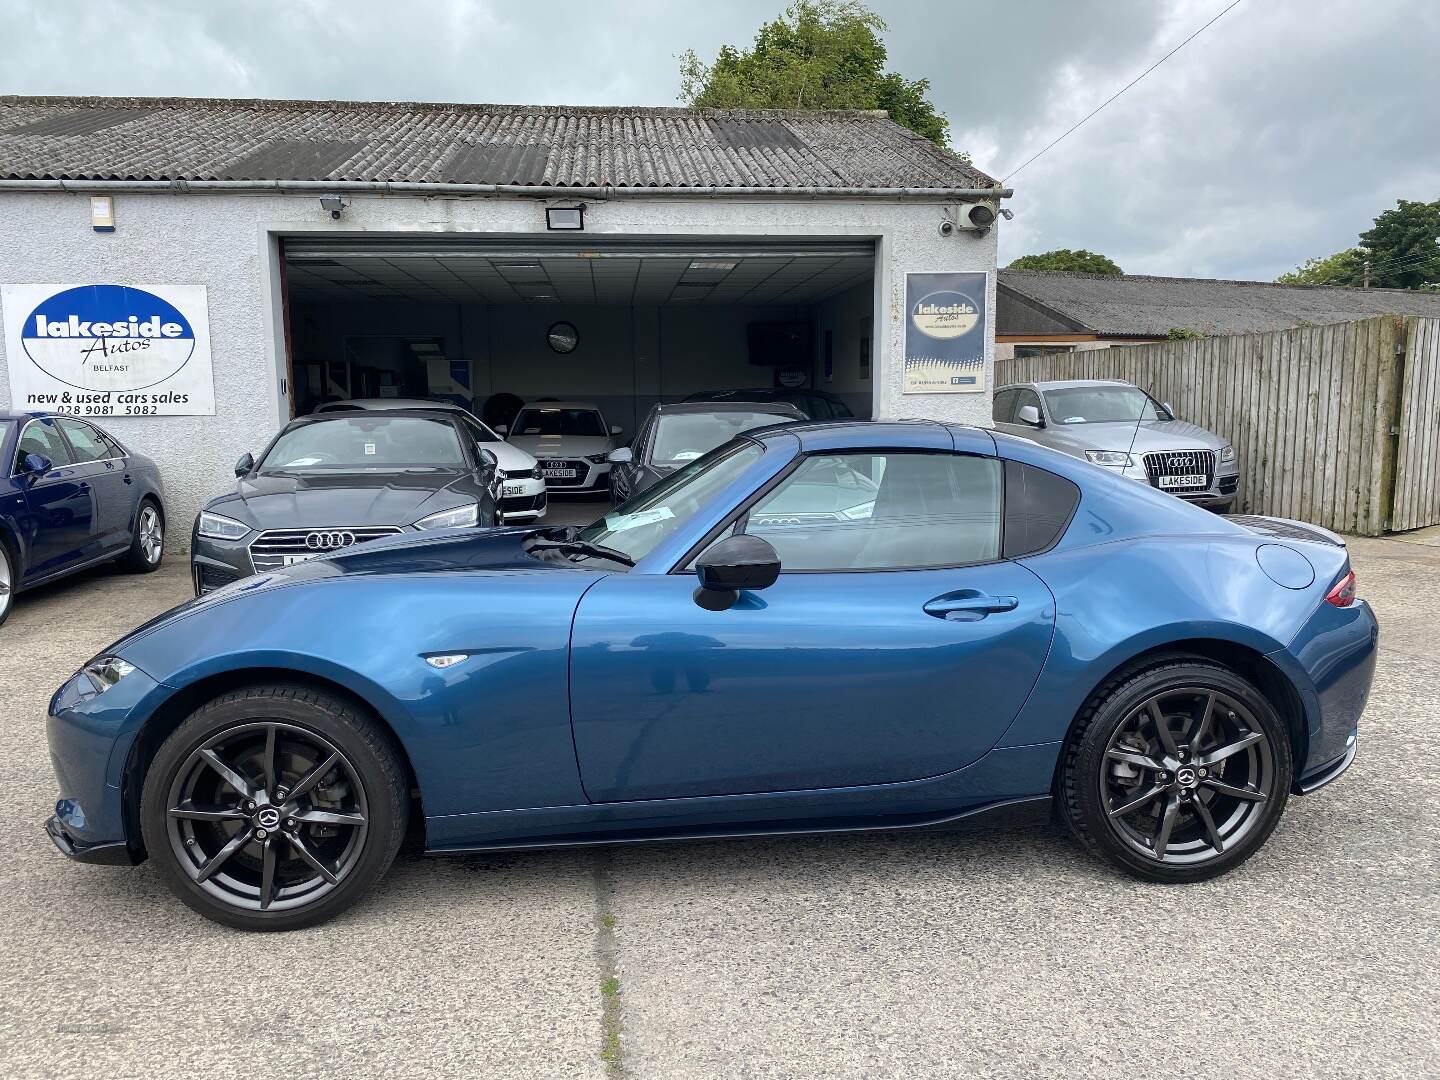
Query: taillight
x,y
1343,594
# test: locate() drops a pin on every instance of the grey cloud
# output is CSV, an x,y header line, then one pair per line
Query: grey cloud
x,y
1275,136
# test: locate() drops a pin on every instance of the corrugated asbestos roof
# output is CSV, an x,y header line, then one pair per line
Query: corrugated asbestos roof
x,y
1140,306
77,138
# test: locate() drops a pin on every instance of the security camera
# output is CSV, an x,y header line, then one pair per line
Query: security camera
x,y
947,228
334,203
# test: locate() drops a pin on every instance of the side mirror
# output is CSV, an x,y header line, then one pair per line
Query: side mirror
x,y
1030,414
623,456
488,458
735,563
244,465
1169,410
502,430
616,429
36,465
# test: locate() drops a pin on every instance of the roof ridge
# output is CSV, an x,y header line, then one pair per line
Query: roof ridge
x,y
1199,280
301,104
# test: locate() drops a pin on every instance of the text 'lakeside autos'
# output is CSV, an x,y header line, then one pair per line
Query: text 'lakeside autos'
x,y
330,481
815,626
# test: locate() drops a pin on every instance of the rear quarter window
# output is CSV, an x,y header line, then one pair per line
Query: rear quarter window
x,y
1038,509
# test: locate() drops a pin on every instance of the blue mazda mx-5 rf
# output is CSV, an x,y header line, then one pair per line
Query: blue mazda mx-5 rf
x,y
819,626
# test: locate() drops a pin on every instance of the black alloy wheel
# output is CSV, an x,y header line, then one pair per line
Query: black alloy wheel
x,y
1178,773
274,808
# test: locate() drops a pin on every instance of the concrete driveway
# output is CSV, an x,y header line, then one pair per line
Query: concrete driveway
x,y
998,952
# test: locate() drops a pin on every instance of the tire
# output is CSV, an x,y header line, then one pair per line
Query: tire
x,y
1222,787
301,845
9,581
147,545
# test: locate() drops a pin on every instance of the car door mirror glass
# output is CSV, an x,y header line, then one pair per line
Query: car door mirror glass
x,y
622,456
488,458
244,465
1170,410
36,465
616,429
1030,414
502,430
735,563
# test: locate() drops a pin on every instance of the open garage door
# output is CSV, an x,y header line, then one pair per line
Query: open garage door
x,y
621,323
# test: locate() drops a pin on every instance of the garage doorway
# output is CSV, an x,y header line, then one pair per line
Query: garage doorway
x,y
623,324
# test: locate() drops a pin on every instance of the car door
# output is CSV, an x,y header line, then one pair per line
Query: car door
x,y
109,482
58,527
895,645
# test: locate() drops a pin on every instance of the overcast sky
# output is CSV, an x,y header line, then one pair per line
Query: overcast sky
x,y
1276,135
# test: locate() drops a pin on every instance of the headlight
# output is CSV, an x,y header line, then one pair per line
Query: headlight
x,y
1107,457
107,671
597,459
1227,453
221,528
462,517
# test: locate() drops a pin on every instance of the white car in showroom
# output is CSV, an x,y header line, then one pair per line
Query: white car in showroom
x,y
571,442
522,492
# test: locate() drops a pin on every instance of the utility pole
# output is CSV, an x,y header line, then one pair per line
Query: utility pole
x,y
1366,283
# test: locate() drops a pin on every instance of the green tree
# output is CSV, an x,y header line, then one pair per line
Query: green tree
x,y
1343,268
1403,249
1404,246
1079,260
820,54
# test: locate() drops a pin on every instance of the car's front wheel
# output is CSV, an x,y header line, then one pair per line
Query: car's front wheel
x,y
274,807
1176,773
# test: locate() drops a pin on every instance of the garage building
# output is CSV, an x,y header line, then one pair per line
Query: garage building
x,y
620,256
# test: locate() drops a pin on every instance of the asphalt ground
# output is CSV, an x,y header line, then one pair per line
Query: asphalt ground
x,y
999,951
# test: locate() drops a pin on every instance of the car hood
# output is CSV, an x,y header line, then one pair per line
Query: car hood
x,y
311,500
563,446
510,458
1151,435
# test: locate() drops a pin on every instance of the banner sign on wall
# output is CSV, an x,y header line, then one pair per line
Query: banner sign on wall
x,y
109,350
945,332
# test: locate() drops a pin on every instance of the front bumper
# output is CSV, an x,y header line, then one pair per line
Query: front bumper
x,y
522,500
589,477
91,736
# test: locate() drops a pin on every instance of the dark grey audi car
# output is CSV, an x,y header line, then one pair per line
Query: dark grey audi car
x,y
331,481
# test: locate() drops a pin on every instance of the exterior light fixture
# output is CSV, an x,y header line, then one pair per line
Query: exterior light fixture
x,y
334,203
565,218
102,213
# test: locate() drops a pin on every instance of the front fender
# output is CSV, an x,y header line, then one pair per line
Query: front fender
x,y
489,733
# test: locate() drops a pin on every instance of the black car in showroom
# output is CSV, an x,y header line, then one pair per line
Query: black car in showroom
x,y
672,436
334,480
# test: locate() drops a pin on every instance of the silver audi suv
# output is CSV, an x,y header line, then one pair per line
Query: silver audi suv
x,y
1118,426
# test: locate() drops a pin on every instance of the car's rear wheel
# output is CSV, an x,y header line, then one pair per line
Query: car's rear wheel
x,y
274,807
1176,773
147,546
7,582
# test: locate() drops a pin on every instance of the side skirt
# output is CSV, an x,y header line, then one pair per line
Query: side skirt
x,y
1029,810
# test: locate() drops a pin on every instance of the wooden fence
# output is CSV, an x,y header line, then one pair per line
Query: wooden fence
x,y
1337,425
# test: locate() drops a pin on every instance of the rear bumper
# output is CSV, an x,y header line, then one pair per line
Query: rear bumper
x,y
106,854
1330,771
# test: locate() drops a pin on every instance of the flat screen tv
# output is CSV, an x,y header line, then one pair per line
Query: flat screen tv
x,y
781,344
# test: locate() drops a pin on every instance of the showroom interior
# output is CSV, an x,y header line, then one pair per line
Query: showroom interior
x,y
619,323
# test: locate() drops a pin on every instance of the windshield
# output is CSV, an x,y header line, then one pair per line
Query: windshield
x,y
683,437
1102,405
638,525
368,443
539,421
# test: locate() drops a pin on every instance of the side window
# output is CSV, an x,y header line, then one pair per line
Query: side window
x,y
85,441
1002,410
42,437
883,511
116,450
1038,508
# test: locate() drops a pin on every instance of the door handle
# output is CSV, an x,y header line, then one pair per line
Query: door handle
x,y
84,486
969,606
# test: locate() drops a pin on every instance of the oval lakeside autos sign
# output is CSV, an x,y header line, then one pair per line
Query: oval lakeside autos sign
x,y
109,350
945,333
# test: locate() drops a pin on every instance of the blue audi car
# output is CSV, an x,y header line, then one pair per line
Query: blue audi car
x,y
819,626
71,497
